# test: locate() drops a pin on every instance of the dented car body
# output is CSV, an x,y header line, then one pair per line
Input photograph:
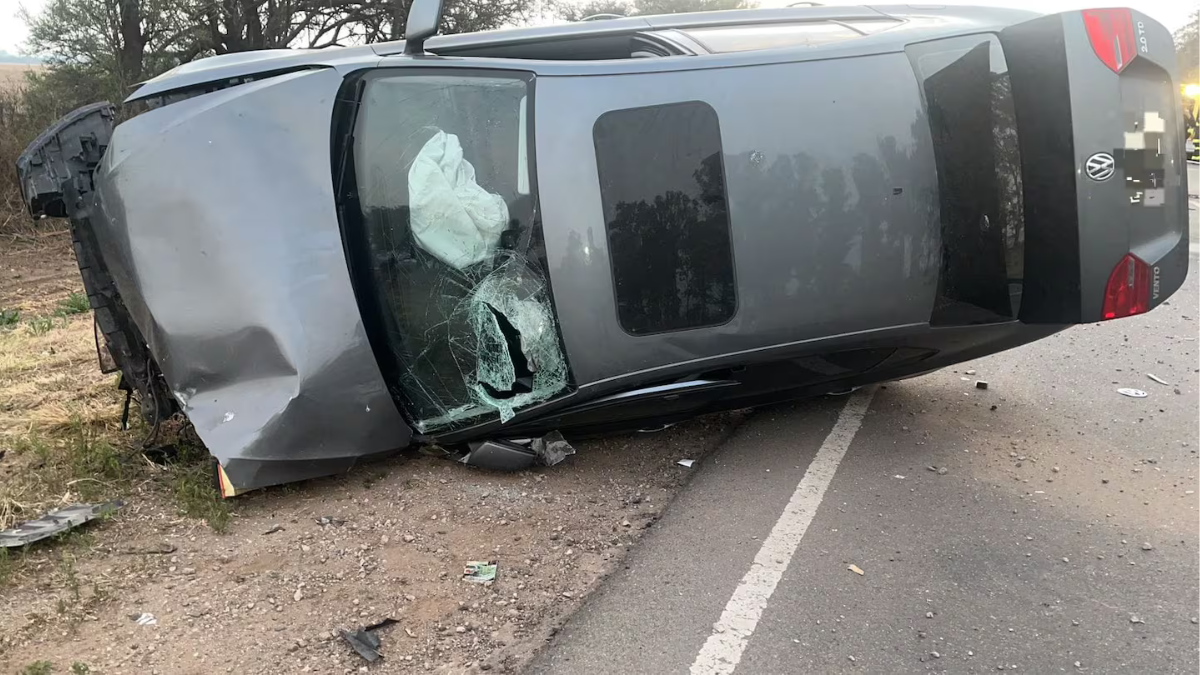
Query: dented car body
x,y
323,256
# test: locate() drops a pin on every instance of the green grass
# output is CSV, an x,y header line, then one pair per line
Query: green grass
x,y
38,668
195,490
80,668
39,325
9,317
197,497
76,303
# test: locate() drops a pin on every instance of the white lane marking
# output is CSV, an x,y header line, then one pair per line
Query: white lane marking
x,y
723,649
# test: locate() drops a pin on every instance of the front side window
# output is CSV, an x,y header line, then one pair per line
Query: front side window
x,y
453,267
662,187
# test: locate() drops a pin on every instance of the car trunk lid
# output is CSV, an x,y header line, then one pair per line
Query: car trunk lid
x,y
1104,174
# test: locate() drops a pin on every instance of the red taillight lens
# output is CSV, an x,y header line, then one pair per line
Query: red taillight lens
x,y
1111,33
1128,290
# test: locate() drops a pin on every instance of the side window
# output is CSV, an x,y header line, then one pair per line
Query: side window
x,y
662,187
973,124
448,249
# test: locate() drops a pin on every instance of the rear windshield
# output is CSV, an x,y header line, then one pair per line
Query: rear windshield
x,y
968,98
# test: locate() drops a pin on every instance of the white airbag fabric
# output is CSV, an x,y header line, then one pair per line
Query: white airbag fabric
x,y
452,217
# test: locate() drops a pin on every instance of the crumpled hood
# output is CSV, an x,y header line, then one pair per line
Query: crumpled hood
x,y
225,246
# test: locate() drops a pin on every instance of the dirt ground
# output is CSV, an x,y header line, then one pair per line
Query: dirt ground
x,y
298,563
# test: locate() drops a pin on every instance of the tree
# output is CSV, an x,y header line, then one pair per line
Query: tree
x,y
118,42
1187,48
681,6
229,26
574,12
382,20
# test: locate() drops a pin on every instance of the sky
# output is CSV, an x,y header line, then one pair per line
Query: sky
x,y
1171,13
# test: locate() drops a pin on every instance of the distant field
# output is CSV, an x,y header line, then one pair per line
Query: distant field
x,y
13,74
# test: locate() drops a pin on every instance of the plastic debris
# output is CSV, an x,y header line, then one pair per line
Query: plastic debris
x,y
551,448
898,476
55,522
980,384
856,569
479,572
144,619
1158,379
686,463
364,641
274,528
1132,393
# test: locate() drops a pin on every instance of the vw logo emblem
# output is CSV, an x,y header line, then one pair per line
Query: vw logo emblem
x,y
1100,166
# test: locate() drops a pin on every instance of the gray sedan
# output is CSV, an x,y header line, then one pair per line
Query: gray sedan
x,y
481,242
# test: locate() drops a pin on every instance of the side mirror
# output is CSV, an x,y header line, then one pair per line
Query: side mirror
x,y
423,19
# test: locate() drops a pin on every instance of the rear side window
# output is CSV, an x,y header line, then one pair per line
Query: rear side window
x,y
968,95
662,187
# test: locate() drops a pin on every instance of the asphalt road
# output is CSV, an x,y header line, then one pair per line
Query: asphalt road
x,y
1046,524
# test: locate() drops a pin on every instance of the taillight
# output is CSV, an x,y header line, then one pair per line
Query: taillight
x,y
1111,33
1128,290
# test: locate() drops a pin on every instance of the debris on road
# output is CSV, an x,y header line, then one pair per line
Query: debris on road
x,y
856,569
479,572
1133,618
898,476
144,619
1147,546
364,641
330,520
274,528
939,470
981,384
1132,393
1158,379
55,522
551,448
686,463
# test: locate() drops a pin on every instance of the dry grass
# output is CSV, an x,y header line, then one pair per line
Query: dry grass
x,y
12,75
60,416
48,378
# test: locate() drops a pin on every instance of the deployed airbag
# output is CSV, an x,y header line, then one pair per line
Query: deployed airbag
x,y
452,217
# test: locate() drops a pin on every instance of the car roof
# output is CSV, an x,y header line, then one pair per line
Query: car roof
x,y
226,67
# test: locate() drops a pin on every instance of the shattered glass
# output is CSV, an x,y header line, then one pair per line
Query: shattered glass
x,y
471,335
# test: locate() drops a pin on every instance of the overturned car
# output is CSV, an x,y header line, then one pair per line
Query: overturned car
x,y
475,241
